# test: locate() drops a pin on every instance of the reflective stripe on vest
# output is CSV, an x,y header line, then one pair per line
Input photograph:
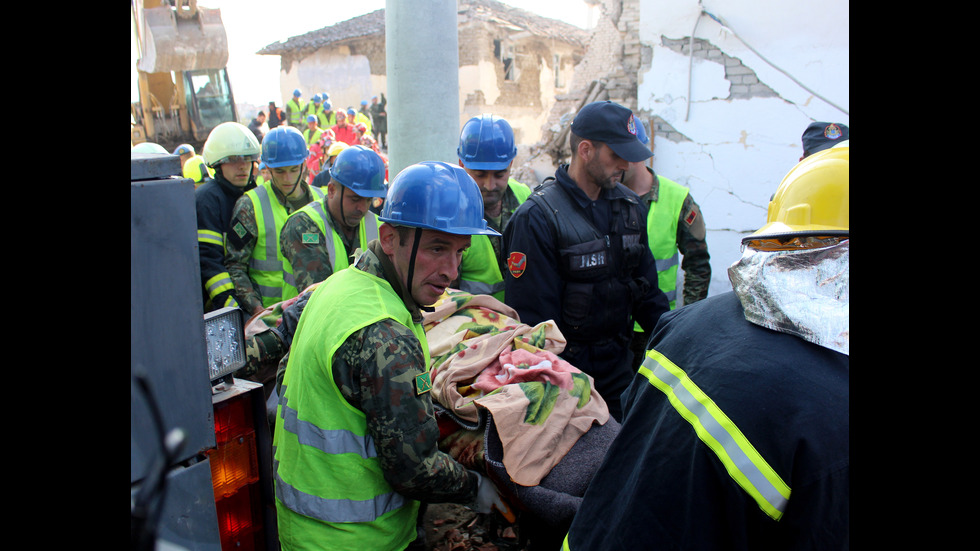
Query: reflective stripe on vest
x,y
479,271
744,464
265,267
662,234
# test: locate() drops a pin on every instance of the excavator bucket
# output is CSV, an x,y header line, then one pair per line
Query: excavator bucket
x,y
176,41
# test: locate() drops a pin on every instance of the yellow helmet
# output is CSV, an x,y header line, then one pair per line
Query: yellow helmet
x,y
336,148
812,200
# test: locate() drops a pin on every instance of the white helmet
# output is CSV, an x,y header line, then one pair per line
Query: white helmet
x,y
230,139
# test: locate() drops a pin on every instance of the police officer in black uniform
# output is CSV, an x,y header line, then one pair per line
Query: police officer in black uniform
x,y
577,251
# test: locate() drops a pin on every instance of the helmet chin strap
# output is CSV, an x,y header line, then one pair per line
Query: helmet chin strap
x,y
411,261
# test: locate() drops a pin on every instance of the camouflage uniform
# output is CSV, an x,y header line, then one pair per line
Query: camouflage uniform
x,y
375,370
242,234
305,248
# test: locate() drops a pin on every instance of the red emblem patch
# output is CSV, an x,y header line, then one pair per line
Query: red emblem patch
x,y
516,263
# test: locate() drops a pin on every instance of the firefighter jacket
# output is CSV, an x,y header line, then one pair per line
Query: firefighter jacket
x,y
214,201
735,437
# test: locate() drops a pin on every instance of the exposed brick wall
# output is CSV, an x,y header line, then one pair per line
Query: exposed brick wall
x,y
744,82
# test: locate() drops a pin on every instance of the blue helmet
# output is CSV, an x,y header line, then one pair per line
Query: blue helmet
x,y
316,98
361,170
486,143
311,118
297,93
183,149
641,133
283,146
438,196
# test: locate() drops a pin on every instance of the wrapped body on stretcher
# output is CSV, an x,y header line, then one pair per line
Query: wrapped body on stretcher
x,y
510,407
507,405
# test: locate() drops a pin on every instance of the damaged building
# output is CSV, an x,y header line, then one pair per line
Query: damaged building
x,y
725,91
512,63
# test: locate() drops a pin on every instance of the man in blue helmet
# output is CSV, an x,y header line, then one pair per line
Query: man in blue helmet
x,y
358,372
254,259
486,151
320,238
577,251
294,111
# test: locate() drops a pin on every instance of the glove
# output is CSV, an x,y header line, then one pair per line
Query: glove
x,y
488,498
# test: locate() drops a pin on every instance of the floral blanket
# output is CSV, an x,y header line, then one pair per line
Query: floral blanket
x,y
484,357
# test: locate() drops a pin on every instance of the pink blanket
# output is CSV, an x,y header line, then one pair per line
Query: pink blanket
x,y
483,356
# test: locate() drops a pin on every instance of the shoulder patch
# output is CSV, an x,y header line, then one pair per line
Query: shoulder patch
x,y
423,383
240,230
516,263
311,238
691,216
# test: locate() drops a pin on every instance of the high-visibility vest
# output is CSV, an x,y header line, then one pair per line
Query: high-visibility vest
x,y
330,489
361,117
327,118
312,109
196,170
295,112
662,234
266,265
367,231
312,137
479,271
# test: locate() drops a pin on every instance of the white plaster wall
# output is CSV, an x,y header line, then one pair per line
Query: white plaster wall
x,y
740,149
347,78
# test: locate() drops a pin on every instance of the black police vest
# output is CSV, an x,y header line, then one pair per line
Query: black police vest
x,y
597,269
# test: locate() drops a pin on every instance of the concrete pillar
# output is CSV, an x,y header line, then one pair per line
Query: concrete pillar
x,y
422,55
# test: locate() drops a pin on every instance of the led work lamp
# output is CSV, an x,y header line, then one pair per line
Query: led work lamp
x,y
224,332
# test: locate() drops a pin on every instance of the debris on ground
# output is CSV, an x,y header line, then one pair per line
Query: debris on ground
x,y
450,527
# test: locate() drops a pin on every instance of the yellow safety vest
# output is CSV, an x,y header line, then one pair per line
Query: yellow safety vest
x,y
662,234
295,112
330,489
266,265
367,231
